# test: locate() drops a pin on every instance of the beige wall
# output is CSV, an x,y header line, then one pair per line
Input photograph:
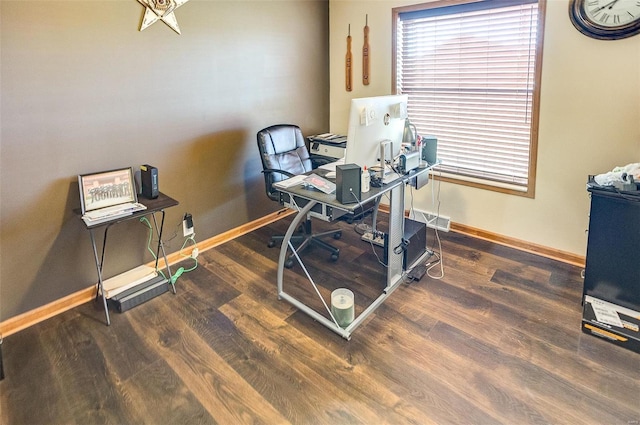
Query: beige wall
x,y
82,90
589,122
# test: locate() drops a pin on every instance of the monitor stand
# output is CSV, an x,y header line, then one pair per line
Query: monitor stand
x,y
386,155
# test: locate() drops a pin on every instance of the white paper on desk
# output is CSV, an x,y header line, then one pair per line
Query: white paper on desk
x,y
332,165
320,183
290,182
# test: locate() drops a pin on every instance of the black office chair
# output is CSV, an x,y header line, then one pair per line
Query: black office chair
x,y
284,154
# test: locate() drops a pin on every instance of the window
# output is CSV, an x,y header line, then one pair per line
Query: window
x,y
472,74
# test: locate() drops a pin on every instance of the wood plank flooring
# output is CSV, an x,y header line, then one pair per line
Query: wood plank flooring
x,y
497,340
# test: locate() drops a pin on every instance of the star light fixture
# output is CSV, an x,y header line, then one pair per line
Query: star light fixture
x,y
163,10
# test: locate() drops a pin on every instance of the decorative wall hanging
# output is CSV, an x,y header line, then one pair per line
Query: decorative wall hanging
x,y
365,53
162,10
348,63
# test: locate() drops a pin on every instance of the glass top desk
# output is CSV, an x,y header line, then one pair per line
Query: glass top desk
x,y
326,207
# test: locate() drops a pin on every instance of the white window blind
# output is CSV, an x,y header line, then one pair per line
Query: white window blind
x,y
469,71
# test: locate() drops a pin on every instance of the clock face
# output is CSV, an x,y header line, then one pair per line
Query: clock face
x,y
611,14
606,19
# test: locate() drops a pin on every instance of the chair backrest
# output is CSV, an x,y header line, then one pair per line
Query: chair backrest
x,y
282,147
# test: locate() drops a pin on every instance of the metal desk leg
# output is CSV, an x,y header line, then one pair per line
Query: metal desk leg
x,y
285,242
345,333
99,262
394,268
374,216
396,234
161,248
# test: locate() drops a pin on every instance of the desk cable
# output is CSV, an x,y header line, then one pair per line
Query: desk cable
x,y
435,199
180,270
438,261
174,234
418,271
373,248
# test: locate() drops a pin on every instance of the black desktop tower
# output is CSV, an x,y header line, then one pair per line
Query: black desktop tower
x,y
348,179
416,233
149,178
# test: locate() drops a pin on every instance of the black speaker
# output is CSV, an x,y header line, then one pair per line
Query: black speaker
x,y
348,179
429,149
149,177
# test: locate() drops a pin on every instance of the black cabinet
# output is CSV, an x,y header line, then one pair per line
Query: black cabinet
x,y
611,297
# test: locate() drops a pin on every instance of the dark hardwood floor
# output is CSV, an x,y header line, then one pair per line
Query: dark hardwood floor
x,y
497,340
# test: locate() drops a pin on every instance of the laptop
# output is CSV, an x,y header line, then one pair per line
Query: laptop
x,y
108,195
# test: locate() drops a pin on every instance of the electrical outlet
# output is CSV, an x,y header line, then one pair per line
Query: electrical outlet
x,y
186,230
187,225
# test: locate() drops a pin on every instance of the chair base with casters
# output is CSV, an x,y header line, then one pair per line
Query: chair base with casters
x,y
306,238
284,154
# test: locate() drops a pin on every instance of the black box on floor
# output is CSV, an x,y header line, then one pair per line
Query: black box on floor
x,y
415,232
614,323
139,294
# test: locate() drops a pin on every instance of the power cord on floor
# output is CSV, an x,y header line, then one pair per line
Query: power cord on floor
x,y
418,271
181,270
193,256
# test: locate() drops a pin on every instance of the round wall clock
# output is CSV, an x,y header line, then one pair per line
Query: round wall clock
x,y
606,19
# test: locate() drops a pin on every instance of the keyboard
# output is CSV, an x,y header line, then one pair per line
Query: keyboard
x,y
331,166
113,212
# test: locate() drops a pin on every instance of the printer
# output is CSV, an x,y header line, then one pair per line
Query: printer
x,y
326,148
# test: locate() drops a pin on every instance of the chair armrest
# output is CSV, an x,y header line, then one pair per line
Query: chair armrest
x,y
274,171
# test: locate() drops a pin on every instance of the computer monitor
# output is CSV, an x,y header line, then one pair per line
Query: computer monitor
x,y
372,121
